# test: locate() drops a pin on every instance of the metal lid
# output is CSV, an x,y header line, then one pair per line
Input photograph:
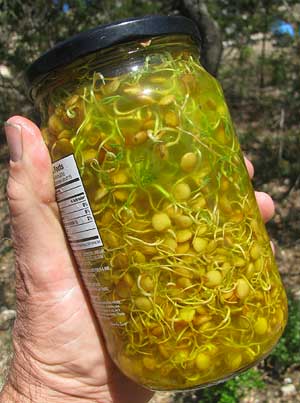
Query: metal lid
x,y
108,35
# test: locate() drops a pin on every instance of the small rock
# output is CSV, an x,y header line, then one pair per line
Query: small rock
x,y
288,390
297,295
6,316
287,381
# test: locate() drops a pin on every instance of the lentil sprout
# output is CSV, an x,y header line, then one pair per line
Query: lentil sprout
x,y
190,265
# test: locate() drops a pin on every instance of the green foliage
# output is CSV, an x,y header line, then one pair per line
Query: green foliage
x,y
287,351
254,57
29,28
34,27
239,19
229,392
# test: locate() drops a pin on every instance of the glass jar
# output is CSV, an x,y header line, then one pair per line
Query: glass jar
x,y
157,203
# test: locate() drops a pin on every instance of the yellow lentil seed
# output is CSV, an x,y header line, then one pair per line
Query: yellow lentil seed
x,y
225,205
183,235
119,178
55,125
123,290
201,319
172,211
170,243
183,221
121,318
149,125
200,244
234,360
110,87
242,288
120,261
107,217
61,148
183,248
183,282
213,278
224,184
250,270
121,195
171,119
212,245
259,264
127,278
147,283
188,162
226,267
202,229
227,294
94,138
140,138
157,331
239,262
203,361
112,240
207,325
182,191
164,351
280,316
255,251
199,203
181,356
149,250
138,257
187,314
90,154
66,134
261,326
161,222
143,303
149,363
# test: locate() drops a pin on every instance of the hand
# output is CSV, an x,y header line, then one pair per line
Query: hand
x,y
59,350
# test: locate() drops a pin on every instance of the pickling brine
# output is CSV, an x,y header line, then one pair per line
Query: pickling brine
x,y
185,285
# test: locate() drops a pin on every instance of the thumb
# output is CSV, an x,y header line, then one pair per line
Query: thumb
x,y
41,250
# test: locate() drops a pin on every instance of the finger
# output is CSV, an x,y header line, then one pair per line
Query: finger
x,y
250,167
272,247
35,222
266,205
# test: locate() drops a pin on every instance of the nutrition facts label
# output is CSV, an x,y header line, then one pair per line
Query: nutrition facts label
x,y
74,206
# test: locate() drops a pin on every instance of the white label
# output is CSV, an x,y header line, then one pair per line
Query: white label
x,y
75,210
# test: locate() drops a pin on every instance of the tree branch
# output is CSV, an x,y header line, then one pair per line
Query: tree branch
x,y
209,30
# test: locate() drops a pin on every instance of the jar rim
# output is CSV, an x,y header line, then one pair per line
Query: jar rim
x,y
105,36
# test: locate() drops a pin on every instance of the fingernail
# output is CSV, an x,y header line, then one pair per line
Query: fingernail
x,y
13,134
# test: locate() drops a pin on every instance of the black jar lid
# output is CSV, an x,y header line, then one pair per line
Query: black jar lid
x,y
108,35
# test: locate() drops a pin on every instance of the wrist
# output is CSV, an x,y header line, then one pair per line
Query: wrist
x,y
25,385
34,394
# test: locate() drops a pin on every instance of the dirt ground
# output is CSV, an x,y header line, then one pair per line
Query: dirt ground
x,y
284,230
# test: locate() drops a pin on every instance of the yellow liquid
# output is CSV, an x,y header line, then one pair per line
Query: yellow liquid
x,y
190,289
